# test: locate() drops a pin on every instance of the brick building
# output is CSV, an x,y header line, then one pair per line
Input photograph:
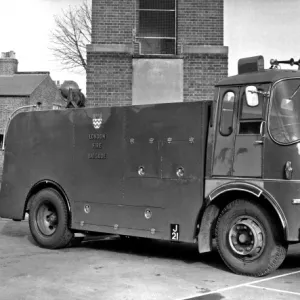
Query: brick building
x,y
152,51
23,88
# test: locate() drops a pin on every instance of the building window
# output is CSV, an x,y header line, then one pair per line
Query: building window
x,y
156,30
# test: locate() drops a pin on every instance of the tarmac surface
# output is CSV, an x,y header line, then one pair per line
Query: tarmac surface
x,y
114,269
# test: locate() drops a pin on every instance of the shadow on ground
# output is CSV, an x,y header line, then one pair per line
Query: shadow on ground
x,y
291,262
187,253
14,229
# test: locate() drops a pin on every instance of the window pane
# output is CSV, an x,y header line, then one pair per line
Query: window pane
x,y
249,112
227,114
156,24
250,127
157,46
157,4
284,120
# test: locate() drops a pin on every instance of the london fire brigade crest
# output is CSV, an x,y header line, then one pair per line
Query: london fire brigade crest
x,y
97,121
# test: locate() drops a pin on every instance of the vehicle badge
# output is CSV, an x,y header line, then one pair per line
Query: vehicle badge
x,y
97,120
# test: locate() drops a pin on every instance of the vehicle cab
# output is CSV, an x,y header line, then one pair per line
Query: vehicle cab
x,y
257,136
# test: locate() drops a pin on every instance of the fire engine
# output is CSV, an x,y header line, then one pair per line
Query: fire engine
x,y
224,171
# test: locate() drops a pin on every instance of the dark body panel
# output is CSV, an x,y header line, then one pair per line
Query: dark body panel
x,y
38,146
98,168
282,189
170,137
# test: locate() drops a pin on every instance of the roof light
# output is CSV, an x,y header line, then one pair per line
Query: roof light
x,y
251,64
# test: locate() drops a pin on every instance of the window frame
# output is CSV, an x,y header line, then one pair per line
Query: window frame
x,y
139,37
233,111
244,101
257,120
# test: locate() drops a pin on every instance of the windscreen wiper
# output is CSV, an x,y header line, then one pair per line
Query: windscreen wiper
x,y
293,95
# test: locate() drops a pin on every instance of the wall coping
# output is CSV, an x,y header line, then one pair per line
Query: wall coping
x,y
114,48
199,49
128,48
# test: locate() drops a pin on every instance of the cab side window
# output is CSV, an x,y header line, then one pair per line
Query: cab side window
x,y
226,122
250,117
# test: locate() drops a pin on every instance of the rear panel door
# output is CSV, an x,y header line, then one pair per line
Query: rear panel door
x,y
98,165
168,141
142,176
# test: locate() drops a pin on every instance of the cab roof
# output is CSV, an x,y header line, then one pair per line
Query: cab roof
x,y
264,76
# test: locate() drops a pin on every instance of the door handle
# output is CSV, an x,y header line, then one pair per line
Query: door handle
x,y
259,142
262,128
288,170
262,133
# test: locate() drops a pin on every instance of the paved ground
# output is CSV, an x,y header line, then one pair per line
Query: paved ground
x,y
118,270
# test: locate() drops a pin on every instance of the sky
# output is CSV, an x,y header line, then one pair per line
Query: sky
x,y
251,27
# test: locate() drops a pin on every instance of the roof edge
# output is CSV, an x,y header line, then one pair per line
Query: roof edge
x,y
33,73
13,96
40,84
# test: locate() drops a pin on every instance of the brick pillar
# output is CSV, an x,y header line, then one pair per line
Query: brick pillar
x,y
201,73
109,74
200,41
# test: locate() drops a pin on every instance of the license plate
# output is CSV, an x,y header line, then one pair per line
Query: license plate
x,y
175,232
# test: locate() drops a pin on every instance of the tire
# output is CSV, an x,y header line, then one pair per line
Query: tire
x,y
49,219
249,240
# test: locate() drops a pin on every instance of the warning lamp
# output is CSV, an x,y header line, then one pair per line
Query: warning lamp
x,y
275,63
251,64
56,106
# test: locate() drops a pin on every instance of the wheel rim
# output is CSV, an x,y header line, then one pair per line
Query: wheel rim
x,y
247,238
47,219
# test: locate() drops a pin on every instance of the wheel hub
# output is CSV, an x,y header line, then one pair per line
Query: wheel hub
x,y
47,219
246,237
52,219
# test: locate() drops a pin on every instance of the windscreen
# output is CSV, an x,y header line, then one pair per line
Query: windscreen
x,y
284,118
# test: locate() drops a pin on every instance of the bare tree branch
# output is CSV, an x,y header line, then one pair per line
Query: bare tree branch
x,y
72,33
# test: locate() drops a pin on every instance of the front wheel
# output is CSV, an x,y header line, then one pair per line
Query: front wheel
x,y
48,220
249,240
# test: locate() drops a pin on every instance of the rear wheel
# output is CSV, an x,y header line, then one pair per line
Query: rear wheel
x,y
249,240
48,220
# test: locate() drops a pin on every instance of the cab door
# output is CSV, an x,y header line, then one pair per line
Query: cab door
x,y
249,140
239,137
225,132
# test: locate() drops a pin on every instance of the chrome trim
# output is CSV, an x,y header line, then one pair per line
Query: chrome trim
x,y
47,181
239,179
215,183
228,184
9,120
279,211
261,128
268,196
234,189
